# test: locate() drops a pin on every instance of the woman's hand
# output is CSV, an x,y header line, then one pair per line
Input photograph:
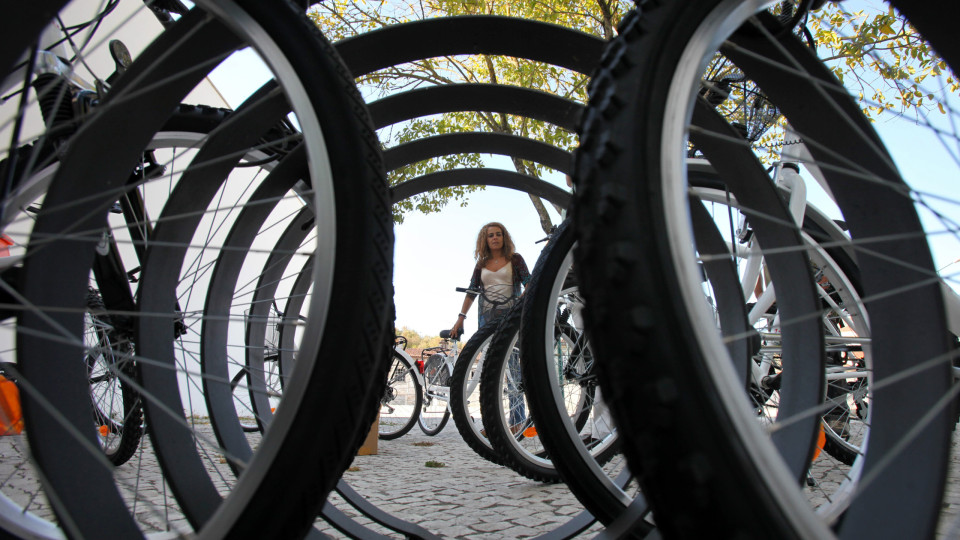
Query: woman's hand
x,y
457,327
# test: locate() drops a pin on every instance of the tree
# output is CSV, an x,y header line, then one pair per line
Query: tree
x,y
416,340
876,51
870,49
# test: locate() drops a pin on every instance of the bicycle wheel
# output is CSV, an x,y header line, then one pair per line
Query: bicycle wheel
x,y
558,364
845,323
512,429
401,403
465,393
118,415
434,409
242,382
353,218
108,352
733,458
271,338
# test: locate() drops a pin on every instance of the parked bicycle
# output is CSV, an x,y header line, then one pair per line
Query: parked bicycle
x,y
436,366
400,406
109,357
257,390
436,369
64,99
219,186
511,423
465,385
641,255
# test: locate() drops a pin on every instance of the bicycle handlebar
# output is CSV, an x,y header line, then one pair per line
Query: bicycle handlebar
x,y
490,296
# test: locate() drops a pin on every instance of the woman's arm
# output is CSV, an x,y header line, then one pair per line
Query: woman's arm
x,y
467,302
458,325
521,274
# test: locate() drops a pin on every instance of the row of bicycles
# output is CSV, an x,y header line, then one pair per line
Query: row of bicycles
x,y
788,302
185,222
697,333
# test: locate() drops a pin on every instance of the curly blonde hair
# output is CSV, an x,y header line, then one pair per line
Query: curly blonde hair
x,y
482,252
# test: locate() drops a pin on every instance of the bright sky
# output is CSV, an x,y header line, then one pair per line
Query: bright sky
x,y
434,254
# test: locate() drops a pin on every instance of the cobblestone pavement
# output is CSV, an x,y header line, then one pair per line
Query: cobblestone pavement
x,y
472,498
466,497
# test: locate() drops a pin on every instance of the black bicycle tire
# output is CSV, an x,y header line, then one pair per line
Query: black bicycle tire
x,y
186,119
931,19
540,466
292,236
671,521
875,510
194,122
418,393
500,348
131,428
833,442
459,405
44,445
699,513
434,429
369,193
600,496
368,358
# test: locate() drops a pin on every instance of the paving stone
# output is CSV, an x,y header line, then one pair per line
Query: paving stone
x,y
531,521
519,531
491,526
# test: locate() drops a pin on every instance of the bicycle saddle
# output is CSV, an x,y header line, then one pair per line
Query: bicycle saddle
x,y
445,334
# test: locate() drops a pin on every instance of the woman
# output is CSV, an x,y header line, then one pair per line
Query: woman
x,y
498,275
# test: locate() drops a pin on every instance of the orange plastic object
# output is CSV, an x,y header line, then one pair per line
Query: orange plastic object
x,y
11,418
104,431
821,440
530,432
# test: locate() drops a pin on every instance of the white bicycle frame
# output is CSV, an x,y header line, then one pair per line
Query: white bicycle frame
x,y
798,153
443,392
752,276
410,362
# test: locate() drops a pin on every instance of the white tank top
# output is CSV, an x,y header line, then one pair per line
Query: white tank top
x,y
498,285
